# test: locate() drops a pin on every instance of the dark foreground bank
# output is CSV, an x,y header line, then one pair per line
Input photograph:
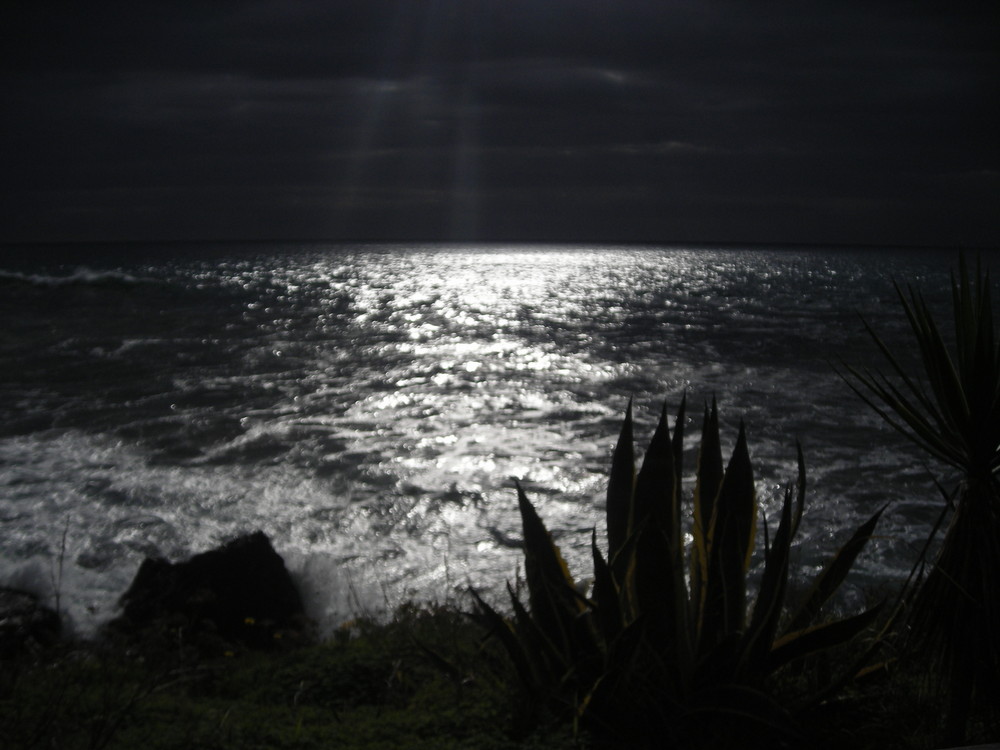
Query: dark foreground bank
x,y
423,680
201,659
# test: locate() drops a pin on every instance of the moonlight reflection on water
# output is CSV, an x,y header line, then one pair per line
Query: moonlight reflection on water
x,y
368,406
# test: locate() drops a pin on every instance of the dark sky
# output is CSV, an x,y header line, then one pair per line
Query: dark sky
x,y
549,120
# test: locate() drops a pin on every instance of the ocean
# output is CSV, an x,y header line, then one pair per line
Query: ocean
x,y
369,405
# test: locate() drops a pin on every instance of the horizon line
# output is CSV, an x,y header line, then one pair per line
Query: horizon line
x,y
496,242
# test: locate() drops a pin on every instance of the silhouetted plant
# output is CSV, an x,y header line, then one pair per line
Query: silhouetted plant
x,y
666,642
952,411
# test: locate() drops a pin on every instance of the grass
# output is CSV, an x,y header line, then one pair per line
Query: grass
x,y
418,681
421,680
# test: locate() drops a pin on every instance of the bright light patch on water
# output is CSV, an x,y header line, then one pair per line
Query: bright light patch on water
x,y
369,407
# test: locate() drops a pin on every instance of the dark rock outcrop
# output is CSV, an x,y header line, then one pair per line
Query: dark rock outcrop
x,y
25,623
240,592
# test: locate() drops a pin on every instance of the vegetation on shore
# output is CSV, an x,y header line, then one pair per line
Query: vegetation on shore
x,y
668,653
375,685
952,413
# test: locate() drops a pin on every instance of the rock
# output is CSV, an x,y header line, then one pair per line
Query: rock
x,y
25,624
241,592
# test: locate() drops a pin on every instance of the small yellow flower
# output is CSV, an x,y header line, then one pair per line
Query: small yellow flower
x,y
248,621
229,654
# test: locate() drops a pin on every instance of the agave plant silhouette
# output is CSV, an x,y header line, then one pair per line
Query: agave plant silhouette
x,y
952,411
666,652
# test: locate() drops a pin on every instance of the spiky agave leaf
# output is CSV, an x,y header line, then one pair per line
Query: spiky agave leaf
x,y
621,484
833,574
770,602
654,498
605,596
710,471
729,544
678,447
554,600
496,625
661,593
799,643
543,556
708,479
620,695
550,660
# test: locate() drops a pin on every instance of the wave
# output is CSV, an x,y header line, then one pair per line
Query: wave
x,y
81,276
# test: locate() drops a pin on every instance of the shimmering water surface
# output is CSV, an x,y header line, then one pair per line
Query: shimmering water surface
x,y
367,406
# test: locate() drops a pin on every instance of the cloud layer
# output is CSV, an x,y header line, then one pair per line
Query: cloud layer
x,y
501,119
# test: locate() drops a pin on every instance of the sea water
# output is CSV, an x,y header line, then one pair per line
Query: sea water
x,y
369,406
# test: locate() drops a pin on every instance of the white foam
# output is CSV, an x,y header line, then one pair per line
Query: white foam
x,y
81,275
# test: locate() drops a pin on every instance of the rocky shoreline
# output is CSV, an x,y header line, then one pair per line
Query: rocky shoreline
x,y
239,593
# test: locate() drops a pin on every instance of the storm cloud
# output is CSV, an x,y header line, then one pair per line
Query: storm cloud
x,y
501,120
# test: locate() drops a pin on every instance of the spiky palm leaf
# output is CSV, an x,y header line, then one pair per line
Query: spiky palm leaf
x,y
952,411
